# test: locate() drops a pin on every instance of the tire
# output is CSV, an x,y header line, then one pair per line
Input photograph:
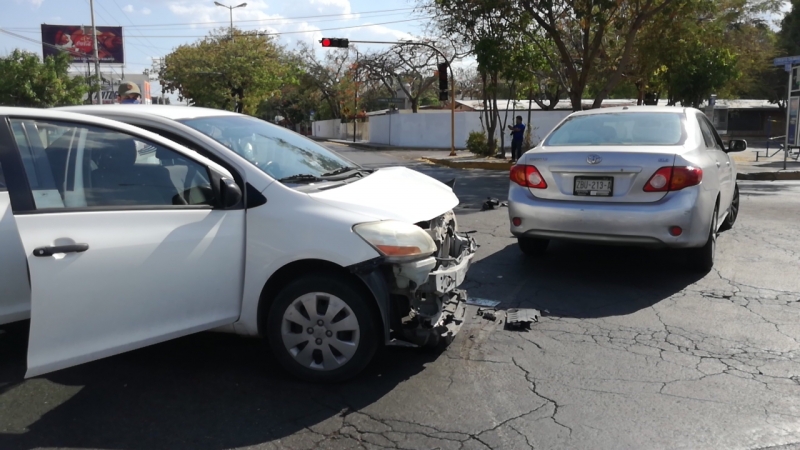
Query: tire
x,y
318,303
702,259
733,211
533,246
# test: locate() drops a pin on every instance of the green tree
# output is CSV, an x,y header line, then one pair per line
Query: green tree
x,y
25,80
236,73
789,36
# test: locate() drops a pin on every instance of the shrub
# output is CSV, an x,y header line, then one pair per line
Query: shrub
x,y
477,143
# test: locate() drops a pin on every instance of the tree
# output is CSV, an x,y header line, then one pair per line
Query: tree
x,y
330,77
27,81
220,72
789,36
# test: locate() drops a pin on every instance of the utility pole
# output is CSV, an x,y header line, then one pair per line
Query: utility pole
x,y
355,105
230,9
96,57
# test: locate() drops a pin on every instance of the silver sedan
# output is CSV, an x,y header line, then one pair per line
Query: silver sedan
x,y
644,176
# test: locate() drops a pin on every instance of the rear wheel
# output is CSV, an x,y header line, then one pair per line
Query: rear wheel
x,y
702,259
733,211
321,329
533,246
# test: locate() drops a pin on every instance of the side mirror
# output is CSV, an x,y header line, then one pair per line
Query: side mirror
x,y
230,193
737,145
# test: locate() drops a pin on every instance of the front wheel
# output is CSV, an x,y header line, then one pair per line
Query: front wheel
x,y
321,329
702,259
733,211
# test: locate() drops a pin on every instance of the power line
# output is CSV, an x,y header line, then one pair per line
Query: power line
x,y
280,33
131,22
349,16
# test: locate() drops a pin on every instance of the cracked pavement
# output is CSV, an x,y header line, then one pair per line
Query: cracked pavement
x,y
631,351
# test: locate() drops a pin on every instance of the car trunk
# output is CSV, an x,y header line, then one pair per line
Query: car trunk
x,y
599,174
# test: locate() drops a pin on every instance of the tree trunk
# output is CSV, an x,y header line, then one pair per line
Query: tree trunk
x,y
414,105
576,97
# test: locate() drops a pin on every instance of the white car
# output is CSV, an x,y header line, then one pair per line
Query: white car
x,y
643,176
114,237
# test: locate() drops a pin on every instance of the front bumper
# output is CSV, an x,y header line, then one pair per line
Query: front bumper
x,y
640,224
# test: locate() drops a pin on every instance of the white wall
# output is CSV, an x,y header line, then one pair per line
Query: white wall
x,y
326,129
432,129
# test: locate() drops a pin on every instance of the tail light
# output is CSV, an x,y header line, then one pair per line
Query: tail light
x,y
674,179
527,176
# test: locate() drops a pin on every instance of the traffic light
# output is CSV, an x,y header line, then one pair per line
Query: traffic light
x,y
335,42
443,93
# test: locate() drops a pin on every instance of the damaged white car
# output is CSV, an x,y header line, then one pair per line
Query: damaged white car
x,y
165,221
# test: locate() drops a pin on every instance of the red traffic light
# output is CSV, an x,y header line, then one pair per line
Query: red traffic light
x,y
335,42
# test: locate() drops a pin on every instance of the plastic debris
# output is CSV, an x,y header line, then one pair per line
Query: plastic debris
x,y
521,318
482,302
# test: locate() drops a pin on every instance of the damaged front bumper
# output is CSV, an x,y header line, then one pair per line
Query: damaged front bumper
x,y
427,304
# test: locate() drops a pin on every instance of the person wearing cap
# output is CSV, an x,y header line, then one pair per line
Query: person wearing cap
x,y
129,93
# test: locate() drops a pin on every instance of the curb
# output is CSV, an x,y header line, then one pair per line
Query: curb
x,y
769,176
506,166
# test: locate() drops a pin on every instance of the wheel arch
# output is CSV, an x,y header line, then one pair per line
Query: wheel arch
x,y
369,284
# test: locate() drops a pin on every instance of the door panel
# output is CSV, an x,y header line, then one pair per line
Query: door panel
x,y
721,160
128,249
15,292
147,276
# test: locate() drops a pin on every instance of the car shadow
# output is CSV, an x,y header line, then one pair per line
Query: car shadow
x,y
205,391
580,280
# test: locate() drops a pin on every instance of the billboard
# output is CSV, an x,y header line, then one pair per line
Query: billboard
x,y
77,41
794,113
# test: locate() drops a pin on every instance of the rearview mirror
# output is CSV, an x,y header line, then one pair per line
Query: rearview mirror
x,y
737,145
230,192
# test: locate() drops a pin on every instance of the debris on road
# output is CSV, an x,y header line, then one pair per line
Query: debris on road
x,y
482,302
488,314
491,203
519,319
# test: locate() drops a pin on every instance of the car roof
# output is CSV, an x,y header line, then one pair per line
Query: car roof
x,y
633,110
58,114
167,111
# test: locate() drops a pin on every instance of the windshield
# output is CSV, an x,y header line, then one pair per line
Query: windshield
x,y
632,128
279,152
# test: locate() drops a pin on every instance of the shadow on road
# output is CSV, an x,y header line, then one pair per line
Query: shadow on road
x,y
581,281
206,391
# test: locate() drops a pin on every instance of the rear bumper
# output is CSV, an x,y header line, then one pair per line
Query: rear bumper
x,y
639,224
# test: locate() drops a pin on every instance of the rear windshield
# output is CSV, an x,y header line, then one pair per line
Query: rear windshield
x,y
633,128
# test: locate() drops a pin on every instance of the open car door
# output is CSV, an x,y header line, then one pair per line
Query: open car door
x,y
127,240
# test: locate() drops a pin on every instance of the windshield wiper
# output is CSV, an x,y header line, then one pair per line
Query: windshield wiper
x,y
339,171
301,177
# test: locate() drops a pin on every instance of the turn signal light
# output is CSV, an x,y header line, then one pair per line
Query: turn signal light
x,y
527,176
674,179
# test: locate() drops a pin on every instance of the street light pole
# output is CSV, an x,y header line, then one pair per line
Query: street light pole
x,y
96,57
230,9
355,107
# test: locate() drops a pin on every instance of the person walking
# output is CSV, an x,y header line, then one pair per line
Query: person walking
x,y
517,136
129,93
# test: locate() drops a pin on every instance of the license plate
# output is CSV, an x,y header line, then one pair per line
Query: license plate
x,y
594,186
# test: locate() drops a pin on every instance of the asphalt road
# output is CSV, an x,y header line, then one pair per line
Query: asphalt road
x,y
633,352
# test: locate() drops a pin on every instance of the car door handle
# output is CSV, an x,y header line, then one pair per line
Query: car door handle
x,y
717,163
50,251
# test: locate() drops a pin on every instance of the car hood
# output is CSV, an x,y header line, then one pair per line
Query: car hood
x,y
394,193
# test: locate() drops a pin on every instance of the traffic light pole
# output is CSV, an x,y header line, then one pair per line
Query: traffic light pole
x,y
452,88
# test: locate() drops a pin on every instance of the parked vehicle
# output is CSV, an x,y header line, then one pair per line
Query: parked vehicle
x,y
201,219
644,176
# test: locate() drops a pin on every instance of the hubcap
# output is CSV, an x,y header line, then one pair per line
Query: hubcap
x,y
320,331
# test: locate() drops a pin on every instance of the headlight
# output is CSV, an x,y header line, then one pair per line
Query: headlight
x,y
397,241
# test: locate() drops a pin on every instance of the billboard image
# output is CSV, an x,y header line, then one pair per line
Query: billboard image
x,y
77,41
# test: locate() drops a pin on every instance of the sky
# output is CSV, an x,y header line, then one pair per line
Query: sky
x,y
152,28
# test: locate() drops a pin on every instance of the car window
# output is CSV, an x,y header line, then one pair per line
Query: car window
x,y
278,152
2,179
715,134
631,128
708,134
87,166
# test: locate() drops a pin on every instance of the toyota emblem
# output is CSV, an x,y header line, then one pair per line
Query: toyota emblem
x,y
594,159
